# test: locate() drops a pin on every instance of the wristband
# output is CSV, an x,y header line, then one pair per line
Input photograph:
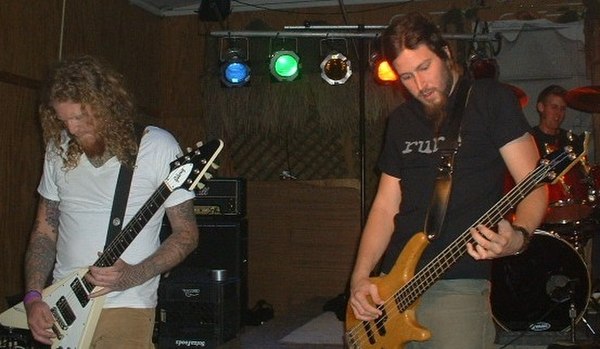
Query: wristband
x,y
31,295
526,238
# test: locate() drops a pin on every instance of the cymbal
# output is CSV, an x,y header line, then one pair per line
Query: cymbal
x,y
586,98
520,94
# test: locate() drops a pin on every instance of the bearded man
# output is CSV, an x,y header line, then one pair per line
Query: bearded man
x,y
87,119
493,136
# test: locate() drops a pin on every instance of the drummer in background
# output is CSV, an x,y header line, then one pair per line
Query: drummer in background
x,y
552,107
549,136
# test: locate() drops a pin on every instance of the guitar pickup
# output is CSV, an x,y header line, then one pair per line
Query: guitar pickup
x,y
65,311
58,319
57,332
80,292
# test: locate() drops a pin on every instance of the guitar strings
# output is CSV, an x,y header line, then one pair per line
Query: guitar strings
x,y
116,247
114,250
406,296
133,228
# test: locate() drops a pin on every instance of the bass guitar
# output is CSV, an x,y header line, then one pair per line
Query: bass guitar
x,y
402,288
76,315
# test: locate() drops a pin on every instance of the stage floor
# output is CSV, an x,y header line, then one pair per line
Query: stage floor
x,y
268,335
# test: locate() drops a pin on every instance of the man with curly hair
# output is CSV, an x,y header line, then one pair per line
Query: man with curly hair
x,y
87,116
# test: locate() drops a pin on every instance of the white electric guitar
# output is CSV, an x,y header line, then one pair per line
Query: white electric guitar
x,y
76,315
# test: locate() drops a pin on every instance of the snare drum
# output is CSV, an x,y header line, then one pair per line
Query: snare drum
x,y
534,290
571,197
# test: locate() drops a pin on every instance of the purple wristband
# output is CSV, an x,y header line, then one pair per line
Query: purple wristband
x,y
31,295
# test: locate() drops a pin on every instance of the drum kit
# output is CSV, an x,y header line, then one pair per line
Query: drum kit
x,y
548,287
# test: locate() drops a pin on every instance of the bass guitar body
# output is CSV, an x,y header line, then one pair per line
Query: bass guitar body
x,y
398,324
402,288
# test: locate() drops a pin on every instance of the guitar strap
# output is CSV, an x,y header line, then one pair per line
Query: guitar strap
x,y
434,220
121,194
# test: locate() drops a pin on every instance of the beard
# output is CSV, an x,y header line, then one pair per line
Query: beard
x,y
436,112
94,149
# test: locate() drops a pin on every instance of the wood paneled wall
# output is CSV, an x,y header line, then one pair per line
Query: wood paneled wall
x,y
164,60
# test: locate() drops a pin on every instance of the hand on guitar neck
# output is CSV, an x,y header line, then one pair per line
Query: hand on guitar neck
x,y
489,244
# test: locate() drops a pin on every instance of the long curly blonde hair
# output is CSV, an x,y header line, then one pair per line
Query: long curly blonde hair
x,y
91,82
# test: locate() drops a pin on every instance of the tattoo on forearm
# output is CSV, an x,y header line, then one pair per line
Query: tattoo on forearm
x,y
52,214
41,252
183,240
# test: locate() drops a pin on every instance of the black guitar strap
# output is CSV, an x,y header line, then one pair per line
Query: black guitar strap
x,y
434,220
121,195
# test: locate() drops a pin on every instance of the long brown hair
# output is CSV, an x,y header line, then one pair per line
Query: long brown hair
x,y
409,32
91,82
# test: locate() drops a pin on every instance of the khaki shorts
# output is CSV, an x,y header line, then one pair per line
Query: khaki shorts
x,y
457,312
124,328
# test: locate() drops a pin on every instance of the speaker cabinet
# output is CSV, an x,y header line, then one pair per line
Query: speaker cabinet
x,y
223,245
195,311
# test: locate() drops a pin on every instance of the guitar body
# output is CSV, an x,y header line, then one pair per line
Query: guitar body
x,y
402,288
76,316
394,328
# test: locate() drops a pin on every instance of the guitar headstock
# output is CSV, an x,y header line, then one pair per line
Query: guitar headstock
x,y
562,160
188,169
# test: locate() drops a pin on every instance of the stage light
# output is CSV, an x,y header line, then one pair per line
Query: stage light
x,y
383,72
284,65
284,62
235,71
336,68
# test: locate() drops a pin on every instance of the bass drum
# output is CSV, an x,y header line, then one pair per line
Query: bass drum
x,y
533,291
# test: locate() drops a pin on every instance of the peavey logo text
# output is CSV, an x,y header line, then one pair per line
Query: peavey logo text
x,y
190,343
191,292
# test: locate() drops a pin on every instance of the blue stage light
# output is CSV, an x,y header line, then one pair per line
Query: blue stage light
x,y
235,72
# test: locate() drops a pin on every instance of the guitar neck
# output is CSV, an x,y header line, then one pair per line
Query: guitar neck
x,y
116,248
433,271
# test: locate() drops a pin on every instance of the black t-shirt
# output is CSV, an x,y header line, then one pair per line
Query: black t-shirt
x,y
491,119
548,143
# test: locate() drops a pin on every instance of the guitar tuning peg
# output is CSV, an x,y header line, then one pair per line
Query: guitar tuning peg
x,y
200,185
214,166
199,144
208,175
188,149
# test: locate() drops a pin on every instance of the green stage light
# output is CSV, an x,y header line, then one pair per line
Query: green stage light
x,y
284,65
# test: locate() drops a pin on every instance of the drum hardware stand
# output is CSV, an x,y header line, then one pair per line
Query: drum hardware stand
x,y
572,330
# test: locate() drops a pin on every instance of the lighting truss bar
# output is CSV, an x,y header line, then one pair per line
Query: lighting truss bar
x,y
330,34
334,27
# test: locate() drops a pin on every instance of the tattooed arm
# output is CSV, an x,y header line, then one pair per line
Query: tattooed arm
x,y
173,250
41,251
39,260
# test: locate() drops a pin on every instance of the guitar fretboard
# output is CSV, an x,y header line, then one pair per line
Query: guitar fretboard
x,y
433,271
116,248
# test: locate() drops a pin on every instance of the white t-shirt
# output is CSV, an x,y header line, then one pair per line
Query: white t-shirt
x,y
85,196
